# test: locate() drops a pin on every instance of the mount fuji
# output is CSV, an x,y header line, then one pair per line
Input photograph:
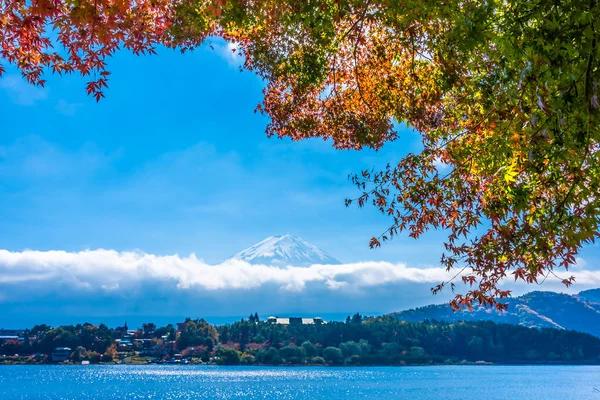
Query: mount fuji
x,y
285,250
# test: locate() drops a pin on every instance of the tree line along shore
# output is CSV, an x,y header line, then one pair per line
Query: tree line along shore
x,y
357,341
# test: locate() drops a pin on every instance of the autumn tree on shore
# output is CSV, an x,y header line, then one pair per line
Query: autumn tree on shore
x,y
504,94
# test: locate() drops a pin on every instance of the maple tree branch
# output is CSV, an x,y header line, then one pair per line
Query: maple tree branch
x,y
355,24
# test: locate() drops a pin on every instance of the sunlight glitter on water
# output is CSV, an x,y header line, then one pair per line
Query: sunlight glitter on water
x,y
119,382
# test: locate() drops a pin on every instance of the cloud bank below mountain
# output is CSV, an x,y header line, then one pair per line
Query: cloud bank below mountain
x,y
107,282
108,270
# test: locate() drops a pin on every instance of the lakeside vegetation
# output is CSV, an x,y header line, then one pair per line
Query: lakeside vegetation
x,y
357,341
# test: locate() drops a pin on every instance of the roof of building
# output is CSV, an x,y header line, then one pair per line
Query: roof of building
x,y
303,321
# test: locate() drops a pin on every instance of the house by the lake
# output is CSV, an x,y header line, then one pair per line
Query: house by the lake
x,y
295,321
61,354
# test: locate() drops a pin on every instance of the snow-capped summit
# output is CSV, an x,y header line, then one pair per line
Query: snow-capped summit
x,y
285,250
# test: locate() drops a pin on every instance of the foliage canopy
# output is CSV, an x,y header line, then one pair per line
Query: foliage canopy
x,y
504,94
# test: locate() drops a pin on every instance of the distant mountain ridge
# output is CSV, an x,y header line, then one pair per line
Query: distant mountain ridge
x,y
580,312
591,296
285,250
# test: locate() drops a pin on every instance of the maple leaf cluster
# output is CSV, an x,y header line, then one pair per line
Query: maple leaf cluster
x,y
68,36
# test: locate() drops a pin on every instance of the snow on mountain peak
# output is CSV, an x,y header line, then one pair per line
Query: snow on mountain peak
x,y
285,250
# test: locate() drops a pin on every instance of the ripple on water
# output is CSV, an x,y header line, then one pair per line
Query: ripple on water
x,y
120,382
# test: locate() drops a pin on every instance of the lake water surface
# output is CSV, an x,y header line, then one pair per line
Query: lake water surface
x,y
210,382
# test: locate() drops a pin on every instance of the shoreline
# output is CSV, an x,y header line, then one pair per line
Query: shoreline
x,y
460,364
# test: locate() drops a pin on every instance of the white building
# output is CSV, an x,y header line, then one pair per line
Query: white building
x,y
295,321
61,354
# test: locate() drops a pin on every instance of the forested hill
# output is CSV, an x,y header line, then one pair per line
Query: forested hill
x,y
579,312
358,341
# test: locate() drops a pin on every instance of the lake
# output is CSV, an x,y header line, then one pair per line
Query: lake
x,y
211,382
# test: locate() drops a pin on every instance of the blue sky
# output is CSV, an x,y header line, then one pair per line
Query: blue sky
x,y
173,162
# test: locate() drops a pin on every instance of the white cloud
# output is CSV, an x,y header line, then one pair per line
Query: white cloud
x,y
33,158
66,108
230,52
21,91
46,286
580,263
440,165
62,285
109,269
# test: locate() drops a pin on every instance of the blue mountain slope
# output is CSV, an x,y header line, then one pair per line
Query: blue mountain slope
x,y
580,312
